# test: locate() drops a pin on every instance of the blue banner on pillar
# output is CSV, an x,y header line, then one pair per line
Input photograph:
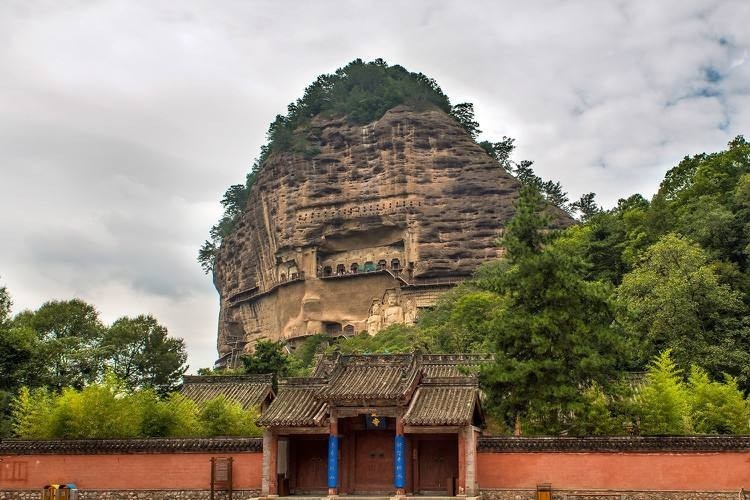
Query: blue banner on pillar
x,y
399,463
333,461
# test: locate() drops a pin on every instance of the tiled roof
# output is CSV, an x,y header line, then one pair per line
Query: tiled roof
x,y
122,446
324,365
442,405
437,389
640,444
371,377
247,390
296,404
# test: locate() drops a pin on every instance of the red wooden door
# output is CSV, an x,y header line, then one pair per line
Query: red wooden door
x,y
438,464
311,465
373,466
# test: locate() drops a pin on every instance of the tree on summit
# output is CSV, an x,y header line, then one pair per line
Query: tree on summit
x,y
463,113
501,151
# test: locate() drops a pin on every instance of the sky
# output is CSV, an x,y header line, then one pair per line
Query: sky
x,y
123,122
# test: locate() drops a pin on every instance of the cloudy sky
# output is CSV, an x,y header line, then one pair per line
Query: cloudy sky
x,y
123,122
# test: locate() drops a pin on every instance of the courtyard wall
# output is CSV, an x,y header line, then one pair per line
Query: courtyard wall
x,y
169,469
659,468
628,468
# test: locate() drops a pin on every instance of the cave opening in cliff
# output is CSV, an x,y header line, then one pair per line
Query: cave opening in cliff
x,y
332,328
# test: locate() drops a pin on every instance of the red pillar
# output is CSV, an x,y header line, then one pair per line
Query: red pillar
x,y
461,486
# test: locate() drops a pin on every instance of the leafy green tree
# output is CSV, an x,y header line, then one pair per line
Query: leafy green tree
x,y
6,419
268,357
109,410
463,113
173,416
702,198
524,172
19,361
527,232
140,352
32,409
221,371
5,305
674,300
596,415
663,402
715,407
501,151
466,323
554,194
96,411
223,417
18,347
611,241
233,201
69,334
395,339
586,206
207,255
553,335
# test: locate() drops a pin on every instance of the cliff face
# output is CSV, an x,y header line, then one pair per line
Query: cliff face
x,y
363,234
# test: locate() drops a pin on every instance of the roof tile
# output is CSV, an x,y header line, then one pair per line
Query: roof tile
x,y
451,405
248,390
295,405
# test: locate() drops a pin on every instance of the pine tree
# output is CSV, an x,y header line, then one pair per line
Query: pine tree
x,y
552,336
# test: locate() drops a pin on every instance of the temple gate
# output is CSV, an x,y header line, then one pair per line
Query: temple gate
x,y
375,424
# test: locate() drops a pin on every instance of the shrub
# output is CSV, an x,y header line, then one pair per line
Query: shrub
x,y
31,411
663,400
175,416
107,410
716,407
222,417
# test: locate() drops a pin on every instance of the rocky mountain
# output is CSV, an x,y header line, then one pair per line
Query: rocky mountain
x,y
375,225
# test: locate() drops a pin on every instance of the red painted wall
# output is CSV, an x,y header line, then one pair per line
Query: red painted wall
x,y
613,471
136,471
616,471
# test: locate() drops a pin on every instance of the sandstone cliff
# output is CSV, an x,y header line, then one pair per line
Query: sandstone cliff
x,y
363,234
